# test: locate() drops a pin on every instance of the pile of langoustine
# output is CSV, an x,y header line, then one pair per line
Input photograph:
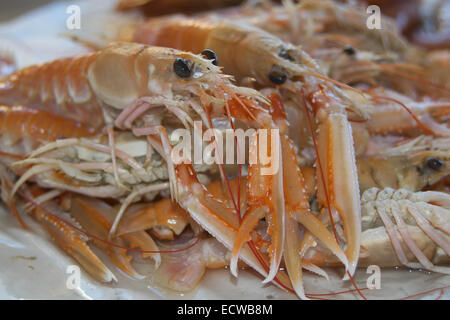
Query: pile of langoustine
x,y
363,146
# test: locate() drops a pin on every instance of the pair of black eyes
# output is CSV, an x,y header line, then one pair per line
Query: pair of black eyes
x,y
183,69
277,76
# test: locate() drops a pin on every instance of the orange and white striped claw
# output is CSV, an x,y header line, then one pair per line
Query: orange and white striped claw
x,y
265,198
298,214
212,214
341,190
96,218
70,240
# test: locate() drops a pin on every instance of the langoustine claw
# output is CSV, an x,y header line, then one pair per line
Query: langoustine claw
x,y
263,200
54,220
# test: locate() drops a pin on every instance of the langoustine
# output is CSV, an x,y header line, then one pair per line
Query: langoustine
x,y
248,52
395,220
337,36
37,127
411,164
136,101
76,221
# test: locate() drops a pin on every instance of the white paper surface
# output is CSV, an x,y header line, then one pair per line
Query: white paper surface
x,y
33,267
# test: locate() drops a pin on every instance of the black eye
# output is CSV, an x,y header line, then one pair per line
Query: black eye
x,y
434,164
349,51
182,68
285,55
277,77
210,55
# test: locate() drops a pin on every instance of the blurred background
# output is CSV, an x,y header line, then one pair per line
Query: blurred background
x,y
424,22
11,9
